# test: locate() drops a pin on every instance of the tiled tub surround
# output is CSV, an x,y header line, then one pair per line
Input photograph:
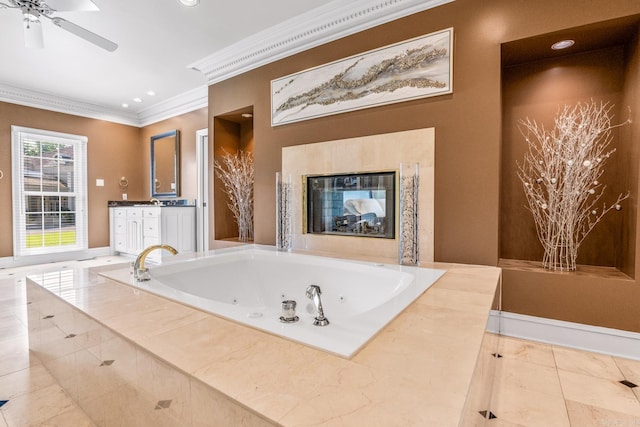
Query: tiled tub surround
x,y
251,282
114,381
132,358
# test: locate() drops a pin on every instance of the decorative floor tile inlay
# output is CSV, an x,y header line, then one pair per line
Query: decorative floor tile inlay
x,y
49,316
496,355
3,402
163,404
70,336
107,362
628,383
487,414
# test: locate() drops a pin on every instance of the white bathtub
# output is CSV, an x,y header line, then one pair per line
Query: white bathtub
x,y
248,285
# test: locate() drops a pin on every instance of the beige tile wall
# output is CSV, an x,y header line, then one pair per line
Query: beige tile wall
x,y
116,382
364,154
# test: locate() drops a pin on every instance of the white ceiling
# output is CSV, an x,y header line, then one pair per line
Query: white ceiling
x,y
160,42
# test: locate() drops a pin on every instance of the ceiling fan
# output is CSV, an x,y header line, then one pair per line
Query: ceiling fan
x,y
33,10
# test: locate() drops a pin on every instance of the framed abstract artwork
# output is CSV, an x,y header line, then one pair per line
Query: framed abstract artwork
x,y
412,69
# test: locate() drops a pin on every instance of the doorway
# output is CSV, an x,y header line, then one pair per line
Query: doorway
x,y
202,206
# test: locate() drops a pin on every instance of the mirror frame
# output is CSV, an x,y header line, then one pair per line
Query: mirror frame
x,y
176,164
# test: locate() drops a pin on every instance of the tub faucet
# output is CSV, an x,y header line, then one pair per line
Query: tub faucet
x,y
313,293
140,272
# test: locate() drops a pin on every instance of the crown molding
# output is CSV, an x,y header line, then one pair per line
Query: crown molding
x,y
180,104
45,101
185,102
321,25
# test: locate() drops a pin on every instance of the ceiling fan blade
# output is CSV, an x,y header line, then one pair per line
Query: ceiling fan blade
x,y
33,34
85,34
72,5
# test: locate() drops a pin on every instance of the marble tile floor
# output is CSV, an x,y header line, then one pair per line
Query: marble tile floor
x,y
29,395
535,384
547,385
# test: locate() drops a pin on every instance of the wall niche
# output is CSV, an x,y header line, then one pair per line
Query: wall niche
x,y
537,82
232,132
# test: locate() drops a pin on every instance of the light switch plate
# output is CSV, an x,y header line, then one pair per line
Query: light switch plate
x,y
99,182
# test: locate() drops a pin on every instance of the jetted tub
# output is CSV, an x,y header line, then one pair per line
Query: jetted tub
x,y
248,285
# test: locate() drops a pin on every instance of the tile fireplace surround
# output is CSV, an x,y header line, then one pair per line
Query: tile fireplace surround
x,y
131,357
375,153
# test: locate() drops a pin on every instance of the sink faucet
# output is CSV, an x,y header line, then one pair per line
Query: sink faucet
x,y
155,201
313,292
140,272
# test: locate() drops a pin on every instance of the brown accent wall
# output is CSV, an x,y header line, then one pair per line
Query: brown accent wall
x,y
630,156
187,124
589,299
112,152
231,133
536,91
227,140
468,127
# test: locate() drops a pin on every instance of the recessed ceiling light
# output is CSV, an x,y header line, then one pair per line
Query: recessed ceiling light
x,y
151,93
124,105
137,99
189,3
562,44
247,115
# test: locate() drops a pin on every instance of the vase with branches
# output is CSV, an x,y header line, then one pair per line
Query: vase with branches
x,y
235,170
561,176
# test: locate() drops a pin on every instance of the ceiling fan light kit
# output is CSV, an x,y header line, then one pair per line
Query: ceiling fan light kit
x,y
33,33
33,10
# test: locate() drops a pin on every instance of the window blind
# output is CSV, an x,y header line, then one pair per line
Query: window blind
x,y
49,192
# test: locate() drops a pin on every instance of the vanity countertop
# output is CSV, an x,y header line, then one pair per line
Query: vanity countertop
x,y
416,371
138,203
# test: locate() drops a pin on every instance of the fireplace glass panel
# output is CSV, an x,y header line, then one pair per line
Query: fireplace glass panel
x,y
360,204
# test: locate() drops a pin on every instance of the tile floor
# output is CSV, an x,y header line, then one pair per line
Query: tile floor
x,y
547,385
30,394
535,385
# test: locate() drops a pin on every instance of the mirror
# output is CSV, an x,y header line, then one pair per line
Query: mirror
x,y
165,161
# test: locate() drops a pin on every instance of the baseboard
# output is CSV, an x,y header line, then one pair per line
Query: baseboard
x,y
595,339
7,262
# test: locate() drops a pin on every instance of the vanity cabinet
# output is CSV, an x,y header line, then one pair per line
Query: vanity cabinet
x,y
133,228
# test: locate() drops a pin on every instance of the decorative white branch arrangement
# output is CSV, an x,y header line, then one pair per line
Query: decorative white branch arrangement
x,y
236,173
561,178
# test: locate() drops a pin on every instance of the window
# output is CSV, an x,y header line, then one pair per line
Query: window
x,y
49,192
